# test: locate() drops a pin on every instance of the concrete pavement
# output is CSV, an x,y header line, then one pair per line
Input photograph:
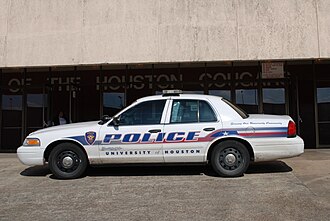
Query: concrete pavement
x,y
313,170
291,189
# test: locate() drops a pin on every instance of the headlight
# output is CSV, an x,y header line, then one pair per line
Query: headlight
x,y
31,142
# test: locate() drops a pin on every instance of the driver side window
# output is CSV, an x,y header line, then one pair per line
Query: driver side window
x,y
149,112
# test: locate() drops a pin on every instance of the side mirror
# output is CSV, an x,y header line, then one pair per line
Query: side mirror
x,y
104,119
115,121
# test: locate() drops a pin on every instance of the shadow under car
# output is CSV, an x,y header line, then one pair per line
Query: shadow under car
x,y
162,170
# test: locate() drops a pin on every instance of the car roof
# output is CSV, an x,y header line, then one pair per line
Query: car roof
x,y
187,96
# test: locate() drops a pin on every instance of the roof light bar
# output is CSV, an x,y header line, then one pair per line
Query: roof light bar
x,y
174,92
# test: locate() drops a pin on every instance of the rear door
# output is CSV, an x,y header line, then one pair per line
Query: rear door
x,y
189,126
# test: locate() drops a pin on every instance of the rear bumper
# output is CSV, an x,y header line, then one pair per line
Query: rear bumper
x,y
30,155
272,149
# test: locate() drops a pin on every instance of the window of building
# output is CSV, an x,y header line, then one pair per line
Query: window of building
x,y
323,108
222,93
273,100
247,99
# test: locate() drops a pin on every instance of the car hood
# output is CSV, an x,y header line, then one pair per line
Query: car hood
x,y
67,127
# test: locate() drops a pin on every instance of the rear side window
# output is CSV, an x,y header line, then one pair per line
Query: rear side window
x,y
192,111
149,112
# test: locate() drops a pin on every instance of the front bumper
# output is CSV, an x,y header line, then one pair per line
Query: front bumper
x,y
31,155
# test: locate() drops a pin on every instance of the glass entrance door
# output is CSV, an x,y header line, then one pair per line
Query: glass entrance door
x,y
12,115
62,102
323,110
37,115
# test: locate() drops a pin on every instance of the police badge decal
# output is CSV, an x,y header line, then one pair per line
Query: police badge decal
x,y
90,137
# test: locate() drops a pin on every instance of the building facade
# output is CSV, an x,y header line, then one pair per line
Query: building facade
x,y
91,58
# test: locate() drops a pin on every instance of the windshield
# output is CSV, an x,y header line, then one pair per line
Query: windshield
x,y
239,110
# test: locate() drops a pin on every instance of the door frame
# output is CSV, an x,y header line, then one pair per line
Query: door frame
x,y
317,122
45,92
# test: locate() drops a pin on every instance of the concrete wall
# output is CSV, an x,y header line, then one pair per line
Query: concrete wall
x,y
72,32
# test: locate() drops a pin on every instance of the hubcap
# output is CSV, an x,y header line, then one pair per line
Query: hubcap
x,y
230,158
67,162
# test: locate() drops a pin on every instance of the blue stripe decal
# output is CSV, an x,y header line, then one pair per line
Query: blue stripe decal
x,y
262,132
266,136
80,139
224,133
284,129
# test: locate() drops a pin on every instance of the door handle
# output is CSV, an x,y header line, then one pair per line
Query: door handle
x,y
154,131
209,129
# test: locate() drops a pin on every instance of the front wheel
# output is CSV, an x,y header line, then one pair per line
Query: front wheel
x,y
67,161
230,158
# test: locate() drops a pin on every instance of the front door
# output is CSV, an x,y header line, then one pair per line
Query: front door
x,y
137,136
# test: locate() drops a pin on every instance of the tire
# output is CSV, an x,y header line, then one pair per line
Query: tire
x,y
230,158
67,161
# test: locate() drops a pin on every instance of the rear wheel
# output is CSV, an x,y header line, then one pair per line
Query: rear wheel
x,y
67,161
230,158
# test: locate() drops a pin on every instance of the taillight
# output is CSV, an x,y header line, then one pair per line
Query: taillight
x,y
292,132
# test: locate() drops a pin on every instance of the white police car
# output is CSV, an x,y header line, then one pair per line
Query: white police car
x,y
168,128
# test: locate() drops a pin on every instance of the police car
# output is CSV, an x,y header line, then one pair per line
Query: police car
x,y
168,128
